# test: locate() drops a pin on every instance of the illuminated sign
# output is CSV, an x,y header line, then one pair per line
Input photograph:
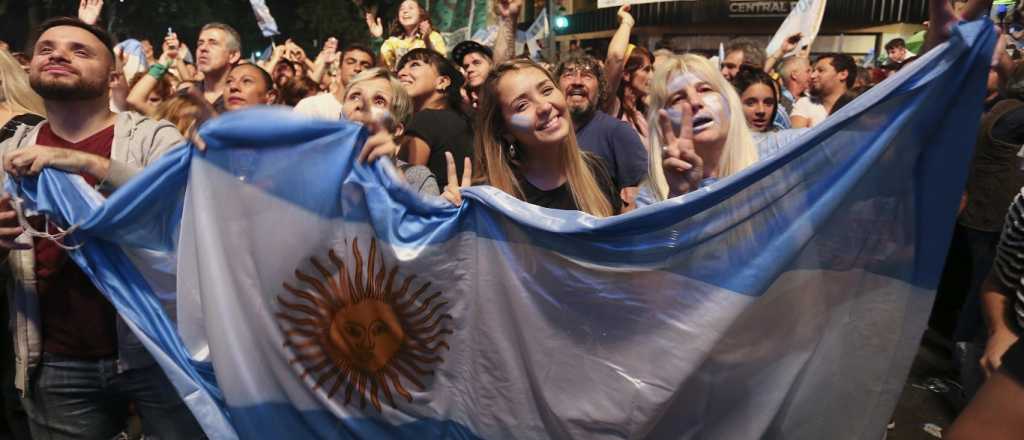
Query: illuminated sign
x,y
762,8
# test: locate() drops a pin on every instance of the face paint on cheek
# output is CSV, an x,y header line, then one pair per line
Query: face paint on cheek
x,y
717,106
520,121
383,118
680,82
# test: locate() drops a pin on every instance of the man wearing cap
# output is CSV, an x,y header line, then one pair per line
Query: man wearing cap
x,y
476,61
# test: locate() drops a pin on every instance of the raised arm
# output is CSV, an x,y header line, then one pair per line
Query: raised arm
x,y
941,19
787,46
324,59
138,96
615,62
505,44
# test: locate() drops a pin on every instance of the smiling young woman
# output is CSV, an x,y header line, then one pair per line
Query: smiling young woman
x,y
526,147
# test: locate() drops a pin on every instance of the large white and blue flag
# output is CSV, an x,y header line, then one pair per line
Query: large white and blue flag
x,y
319,298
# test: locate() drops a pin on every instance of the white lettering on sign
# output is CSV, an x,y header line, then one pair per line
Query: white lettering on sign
x,y
764,8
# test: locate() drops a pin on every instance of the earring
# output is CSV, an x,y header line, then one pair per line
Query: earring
x,y
512,152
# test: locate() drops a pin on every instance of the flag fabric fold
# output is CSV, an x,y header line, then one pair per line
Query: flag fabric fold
x,y
319,298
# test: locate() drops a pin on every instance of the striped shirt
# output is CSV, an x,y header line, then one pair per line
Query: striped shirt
x,y
1009,262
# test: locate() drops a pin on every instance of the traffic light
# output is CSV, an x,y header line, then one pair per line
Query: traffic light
x,y
561,21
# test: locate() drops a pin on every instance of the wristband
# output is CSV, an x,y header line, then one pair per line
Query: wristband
x,y
157,70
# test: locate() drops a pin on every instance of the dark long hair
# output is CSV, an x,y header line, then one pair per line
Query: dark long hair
x,y
633,64
452,95
749,76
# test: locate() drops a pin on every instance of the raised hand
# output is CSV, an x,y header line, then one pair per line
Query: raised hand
x,y
373,23
624,16
329,50
453,191
789,44
683,168
425,29
170,48
508,8
89,10
942,17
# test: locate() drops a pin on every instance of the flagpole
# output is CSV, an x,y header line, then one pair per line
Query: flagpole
x,y
549,42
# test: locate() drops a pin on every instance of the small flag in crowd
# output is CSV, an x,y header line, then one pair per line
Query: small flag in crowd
x,y
805,19
265,21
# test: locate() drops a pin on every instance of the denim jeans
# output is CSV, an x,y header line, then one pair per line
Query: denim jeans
x,y
87,399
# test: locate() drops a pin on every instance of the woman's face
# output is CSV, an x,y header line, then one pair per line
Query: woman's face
x,y
247,87
364,96
419,78
409,14
641,79
758,105
709,108
533,109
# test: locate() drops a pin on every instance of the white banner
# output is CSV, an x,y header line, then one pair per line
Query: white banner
x,y
805,18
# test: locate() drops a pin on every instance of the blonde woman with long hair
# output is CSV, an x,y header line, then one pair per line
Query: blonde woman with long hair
x,y
19,104
525,146
698,131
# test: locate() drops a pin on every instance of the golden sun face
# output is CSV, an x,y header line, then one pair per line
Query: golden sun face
x,y
362,333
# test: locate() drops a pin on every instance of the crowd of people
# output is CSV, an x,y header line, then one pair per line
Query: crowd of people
x,y
601,135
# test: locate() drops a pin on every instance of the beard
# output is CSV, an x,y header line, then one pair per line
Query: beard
x,y
80,89
580,112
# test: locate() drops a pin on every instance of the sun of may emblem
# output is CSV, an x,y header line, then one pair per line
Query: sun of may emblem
x,y
360,332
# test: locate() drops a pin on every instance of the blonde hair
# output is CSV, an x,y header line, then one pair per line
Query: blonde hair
x,y
739,152
401,103
494,164
15,92
186,111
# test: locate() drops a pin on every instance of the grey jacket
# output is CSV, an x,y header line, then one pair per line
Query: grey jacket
x,y
138,141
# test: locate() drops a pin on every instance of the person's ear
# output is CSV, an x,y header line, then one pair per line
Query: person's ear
x,y
272,97
234,57
399,129
442,83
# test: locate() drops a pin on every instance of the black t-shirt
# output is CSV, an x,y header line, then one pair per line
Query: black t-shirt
x,y
443,130
561,197
1013,362
12,125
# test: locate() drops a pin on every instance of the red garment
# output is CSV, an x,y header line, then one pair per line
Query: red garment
x,y
77,320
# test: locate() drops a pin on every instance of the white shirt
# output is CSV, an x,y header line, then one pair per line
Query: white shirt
x,y
322,106
811,109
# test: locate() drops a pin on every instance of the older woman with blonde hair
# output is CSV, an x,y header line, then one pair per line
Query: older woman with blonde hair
x,y
699,133
19,104
525,146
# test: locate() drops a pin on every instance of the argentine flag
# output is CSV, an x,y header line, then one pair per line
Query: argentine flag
x,y
319,298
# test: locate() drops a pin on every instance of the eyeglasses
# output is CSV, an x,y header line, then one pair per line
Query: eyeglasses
x,y
579,71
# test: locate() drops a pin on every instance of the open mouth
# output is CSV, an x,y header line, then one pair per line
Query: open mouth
x,y
578,92
550,123
702,122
